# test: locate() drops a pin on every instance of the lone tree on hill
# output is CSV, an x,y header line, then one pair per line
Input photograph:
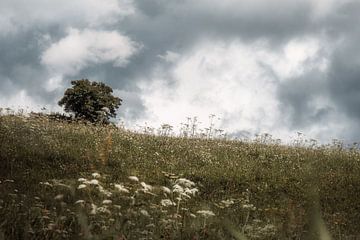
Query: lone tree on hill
x,y
92,101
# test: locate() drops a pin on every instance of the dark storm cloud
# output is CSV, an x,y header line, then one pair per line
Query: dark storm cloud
x,y
341,84
344,80
298,99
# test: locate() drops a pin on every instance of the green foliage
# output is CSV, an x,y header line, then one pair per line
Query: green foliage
x,y
91,101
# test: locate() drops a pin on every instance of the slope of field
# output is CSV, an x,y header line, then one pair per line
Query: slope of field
x,y
71,181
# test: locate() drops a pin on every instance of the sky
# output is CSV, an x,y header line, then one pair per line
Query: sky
x,y
261,66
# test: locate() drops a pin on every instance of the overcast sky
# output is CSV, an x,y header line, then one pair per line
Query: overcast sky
x,y
274,66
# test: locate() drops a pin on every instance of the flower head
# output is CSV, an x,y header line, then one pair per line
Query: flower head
x,y
121,188
206,213
134,178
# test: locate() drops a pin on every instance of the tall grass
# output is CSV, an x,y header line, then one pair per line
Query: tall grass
x,y
244,190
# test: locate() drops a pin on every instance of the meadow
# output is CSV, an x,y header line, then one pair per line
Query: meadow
x,y
73,180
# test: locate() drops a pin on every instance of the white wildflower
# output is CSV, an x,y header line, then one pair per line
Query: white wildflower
x,y
46,184
166,190
121,188
227,203
81,186
80,202
192,215
184,195
167,202
59,197
93,209
107,202
249,206
134,178
94,182
191,191
178,189
103,210
104,191
146,187
206,213
82,180
95,175
117,207
185,182
144,212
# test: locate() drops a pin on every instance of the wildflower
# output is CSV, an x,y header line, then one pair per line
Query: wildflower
x,y
227,203
95,175
185,182
167,202
107,202
46,184
80,202
146,187
117,207
81,186
94,182
151,225
93,209
206,213
121,188
103,210
144,212
191,191
166,190
178,189
134,178
59,197
249,206
104,191
82,180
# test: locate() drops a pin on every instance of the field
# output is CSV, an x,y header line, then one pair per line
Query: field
x,y
61,180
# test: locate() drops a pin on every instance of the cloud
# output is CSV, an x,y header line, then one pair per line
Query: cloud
x,y
262,65
169,56
21,15
251,87
79,49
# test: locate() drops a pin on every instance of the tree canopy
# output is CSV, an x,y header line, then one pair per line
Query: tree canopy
x,y
89,100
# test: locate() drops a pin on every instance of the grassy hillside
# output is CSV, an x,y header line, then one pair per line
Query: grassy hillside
x,y
71,181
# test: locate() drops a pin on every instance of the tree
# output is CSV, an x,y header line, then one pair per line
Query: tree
x,y
92,101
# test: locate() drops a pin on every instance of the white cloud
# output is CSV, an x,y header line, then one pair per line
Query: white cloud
x,y
170,56
80,49
53,83
323,8
24,14
20,100
230,80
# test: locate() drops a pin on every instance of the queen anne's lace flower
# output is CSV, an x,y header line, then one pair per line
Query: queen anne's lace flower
x,y
94,182
121,188
134,178
107,202
146,187
96,175
167,202
206,213
81,186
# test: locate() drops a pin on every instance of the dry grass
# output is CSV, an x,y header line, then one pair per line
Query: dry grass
x,y
255,190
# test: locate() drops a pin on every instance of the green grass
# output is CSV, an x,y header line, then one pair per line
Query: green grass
x,y
255,190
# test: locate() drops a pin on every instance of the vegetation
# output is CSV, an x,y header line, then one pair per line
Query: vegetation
x,y
65,180
90,101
